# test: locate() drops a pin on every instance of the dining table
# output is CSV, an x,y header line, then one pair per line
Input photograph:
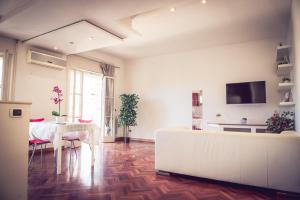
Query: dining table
x,y
54,132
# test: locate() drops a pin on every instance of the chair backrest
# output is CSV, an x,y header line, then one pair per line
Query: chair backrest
x,y
37,120
84,121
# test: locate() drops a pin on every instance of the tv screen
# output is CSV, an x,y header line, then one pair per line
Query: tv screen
x,y
247,92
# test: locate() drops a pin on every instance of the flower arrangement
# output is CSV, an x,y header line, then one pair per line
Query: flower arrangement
x,y
57,99
281,122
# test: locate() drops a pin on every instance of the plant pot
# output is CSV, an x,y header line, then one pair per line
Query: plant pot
x,y
60,120
126,140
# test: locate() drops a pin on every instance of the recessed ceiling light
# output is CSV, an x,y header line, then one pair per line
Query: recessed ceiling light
x,y
204,1
91,38
55,47
173,9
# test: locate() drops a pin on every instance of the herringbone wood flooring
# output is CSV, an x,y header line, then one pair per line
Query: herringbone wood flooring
x,y
127,172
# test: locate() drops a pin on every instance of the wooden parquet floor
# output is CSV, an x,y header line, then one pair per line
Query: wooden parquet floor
x,y
126,172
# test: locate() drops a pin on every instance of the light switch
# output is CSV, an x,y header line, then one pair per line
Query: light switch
x,y
15,112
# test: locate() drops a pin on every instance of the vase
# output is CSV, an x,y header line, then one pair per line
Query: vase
x,y
59,119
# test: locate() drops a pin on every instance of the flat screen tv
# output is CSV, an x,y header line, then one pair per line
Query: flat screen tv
x,y
246,93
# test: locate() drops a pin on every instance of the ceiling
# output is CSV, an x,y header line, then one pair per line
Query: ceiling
x,y
148,27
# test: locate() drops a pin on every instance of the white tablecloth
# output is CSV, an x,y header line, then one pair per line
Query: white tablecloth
x,y
47,131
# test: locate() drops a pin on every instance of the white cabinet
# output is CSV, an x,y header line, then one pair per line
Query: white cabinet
x,y
250,128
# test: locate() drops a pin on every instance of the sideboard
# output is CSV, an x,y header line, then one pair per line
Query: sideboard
x,y
251,128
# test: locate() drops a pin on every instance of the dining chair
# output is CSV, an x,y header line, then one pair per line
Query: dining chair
x,y
37,142
72,138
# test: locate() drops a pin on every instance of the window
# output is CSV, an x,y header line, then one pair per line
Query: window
x,y
1,76
84,100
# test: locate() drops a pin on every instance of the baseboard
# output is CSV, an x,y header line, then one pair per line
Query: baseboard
x,y
136,139
162,173
143,140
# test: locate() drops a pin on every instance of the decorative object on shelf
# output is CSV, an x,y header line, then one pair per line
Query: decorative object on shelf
x,y
287,96
57,99
244,120
283,61
128,113
286,60
286,80
281,122
197,99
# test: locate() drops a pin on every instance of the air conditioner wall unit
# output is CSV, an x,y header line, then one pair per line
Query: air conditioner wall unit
x,y
46,60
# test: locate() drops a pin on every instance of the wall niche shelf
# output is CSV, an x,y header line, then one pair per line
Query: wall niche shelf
x,y
284,71
285,86
197,110
286,104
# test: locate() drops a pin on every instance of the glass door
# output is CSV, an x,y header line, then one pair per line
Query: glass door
x,y
91,98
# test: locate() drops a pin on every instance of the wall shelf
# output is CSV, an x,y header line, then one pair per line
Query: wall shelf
x,y
284,69
285,86
286,104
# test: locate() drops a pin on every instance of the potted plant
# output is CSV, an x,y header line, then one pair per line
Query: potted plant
x,y
57,99
281,122
128,113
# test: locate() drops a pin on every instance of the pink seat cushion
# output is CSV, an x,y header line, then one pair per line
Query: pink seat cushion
x,y
37,120
84,121
37,141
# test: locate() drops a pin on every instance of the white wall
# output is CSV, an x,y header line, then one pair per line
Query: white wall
x,y
165,83
296,55
34,84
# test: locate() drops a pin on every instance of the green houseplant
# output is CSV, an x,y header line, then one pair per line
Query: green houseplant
x,y
128,113
281,122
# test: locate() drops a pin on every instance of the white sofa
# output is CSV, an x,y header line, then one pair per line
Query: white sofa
x,y
264,160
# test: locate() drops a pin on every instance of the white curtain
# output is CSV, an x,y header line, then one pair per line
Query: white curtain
x,y
108,109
